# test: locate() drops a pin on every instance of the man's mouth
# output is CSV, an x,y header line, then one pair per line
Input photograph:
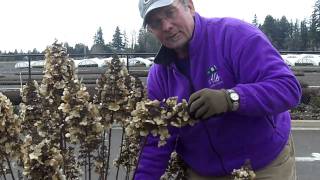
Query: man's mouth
x,y
174,37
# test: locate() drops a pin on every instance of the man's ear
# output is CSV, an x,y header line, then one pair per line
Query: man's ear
x,y
149,29
191,7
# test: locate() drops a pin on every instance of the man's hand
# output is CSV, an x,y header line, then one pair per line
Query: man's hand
x,y
208,102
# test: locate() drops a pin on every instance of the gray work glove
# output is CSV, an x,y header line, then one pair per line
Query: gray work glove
x,y
208,102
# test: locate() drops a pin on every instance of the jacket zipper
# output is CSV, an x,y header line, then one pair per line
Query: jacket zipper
x,y
203,123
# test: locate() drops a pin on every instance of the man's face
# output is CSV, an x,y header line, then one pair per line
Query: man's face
x,y
173,25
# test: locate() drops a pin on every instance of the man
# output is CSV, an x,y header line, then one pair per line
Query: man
x,y
236,84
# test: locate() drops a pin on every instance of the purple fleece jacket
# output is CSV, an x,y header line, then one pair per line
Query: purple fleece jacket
x,y
224,53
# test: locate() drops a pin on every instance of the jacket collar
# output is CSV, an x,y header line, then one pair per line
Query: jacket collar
x,y
165,55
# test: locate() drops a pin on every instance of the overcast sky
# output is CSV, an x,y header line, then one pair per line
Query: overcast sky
x,y
28,24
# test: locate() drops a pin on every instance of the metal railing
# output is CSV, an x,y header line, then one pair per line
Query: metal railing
x,y
131,54
31,57
11,80
299,52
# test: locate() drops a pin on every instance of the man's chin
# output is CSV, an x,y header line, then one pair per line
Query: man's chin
x,y
176,45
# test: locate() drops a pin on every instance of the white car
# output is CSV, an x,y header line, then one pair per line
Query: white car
x,y
290,59
138,61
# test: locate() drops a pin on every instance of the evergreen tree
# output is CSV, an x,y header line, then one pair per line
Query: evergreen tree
x,y
117,40
65,45
141,47
314,32
98,44
283,33
294,44
98,37
269,27
304,35
147,43
81,49
255,20
35,51
152,44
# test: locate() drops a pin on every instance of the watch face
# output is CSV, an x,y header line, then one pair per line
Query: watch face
x,y
234,96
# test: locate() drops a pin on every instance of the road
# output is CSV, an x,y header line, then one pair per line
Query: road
x,y
307,145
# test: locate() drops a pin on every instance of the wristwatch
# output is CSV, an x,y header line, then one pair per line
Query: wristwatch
x,y
234,98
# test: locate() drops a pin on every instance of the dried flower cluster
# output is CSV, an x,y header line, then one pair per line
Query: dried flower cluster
x,y
147,119
176,168
10,128
82,117
118,93
130,147
42,160
244,173
129,153
154,117
30,111
45,120
113,93
177,113
58,71
82,124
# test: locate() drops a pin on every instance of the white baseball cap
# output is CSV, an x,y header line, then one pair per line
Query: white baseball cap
x,y
146,6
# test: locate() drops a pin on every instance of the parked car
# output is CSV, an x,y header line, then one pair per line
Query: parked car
x,y
88,63
21,65
290,59
37,64
138,61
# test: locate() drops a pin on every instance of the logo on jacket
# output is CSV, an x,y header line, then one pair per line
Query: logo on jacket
x,y
214,78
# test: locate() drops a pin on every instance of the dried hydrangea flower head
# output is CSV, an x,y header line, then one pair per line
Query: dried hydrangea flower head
x,y
154,117
176,168
113,93
82,117
60,92
130,145
118,93
10,127
30,111
58,72
82,123
146,119
177,113
129,153
42,160
244,173
137,92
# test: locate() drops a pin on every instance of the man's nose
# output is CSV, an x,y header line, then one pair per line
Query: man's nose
x,y
166,25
